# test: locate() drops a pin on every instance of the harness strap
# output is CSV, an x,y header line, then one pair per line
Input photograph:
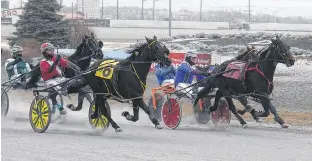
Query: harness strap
x,y
260,72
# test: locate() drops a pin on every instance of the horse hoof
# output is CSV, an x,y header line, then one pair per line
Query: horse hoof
x,y
125,113
259,120
241,112
118,130
159,127
245,126
94,116
285,126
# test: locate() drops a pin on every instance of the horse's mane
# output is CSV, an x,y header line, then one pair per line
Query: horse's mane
x,y
264,51
239,57
77,52
139,49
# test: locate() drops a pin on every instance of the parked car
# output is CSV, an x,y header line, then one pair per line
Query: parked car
x,y
239,24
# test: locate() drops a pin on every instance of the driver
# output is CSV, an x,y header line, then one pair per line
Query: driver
x,y
185,74
165,74
52,74
17,66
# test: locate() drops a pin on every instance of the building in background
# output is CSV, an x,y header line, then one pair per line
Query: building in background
x,y
90,8
5,4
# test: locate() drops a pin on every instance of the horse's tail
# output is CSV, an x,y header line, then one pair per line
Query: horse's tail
x,y
206,90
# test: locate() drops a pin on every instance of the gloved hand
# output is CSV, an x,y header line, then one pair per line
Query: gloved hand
x,y
58,58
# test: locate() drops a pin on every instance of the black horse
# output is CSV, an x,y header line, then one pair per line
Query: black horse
x,y
88,49
257,82
127,82
250,55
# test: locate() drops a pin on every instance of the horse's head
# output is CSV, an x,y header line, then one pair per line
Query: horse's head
x,y
157,51
92,48
282,53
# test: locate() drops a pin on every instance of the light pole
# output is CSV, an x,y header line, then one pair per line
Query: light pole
x,y
117,16
170,18
249,15
142,16
201,10
102,13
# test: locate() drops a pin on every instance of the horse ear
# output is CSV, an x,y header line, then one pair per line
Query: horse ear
x,y
92,35
101,44
155,38
86,37
147,39
248,48
252,47
277,37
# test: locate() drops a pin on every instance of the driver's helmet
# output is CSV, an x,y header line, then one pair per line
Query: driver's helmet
x,y
46,46
16,51
190,54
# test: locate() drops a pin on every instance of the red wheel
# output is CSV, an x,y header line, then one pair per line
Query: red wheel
x,y
171,113
221,118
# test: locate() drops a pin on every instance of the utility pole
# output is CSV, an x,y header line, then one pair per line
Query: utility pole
x,y
142,16
76,8
82,5
72,10
201,10
170,18
249,11
117,9
154,9
102,10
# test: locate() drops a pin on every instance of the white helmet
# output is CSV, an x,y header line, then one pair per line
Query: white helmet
x,y
190,54
16,50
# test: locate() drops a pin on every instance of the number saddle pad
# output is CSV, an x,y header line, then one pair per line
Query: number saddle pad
x,y
106,69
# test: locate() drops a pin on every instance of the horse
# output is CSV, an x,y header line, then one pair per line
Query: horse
x,y
251,54
88,49
126,80
256,81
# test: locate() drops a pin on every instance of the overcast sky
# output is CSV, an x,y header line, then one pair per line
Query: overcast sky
x,y
285,7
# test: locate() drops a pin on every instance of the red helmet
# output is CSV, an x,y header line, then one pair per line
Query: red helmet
x,y
46,46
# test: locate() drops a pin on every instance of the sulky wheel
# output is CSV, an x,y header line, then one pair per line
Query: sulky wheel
x,y
221,118
101,122
201,113
4,102
40,114
156,111
171,113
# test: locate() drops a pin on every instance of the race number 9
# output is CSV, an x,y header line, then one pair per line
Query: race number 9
x,y
106,72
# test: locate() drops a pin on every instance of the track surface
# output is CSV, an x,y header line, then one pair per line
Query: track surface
x,y
71,138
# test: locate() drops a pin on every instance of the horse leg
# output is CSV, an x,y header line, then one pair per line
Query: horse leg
x,y
99,102
140,103
135,116
218,96
266,103
244,102
234,111
81,96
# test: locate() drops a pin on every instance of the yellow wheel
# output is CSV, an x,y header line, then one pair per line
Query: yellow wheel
x,y
40,114
101,122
